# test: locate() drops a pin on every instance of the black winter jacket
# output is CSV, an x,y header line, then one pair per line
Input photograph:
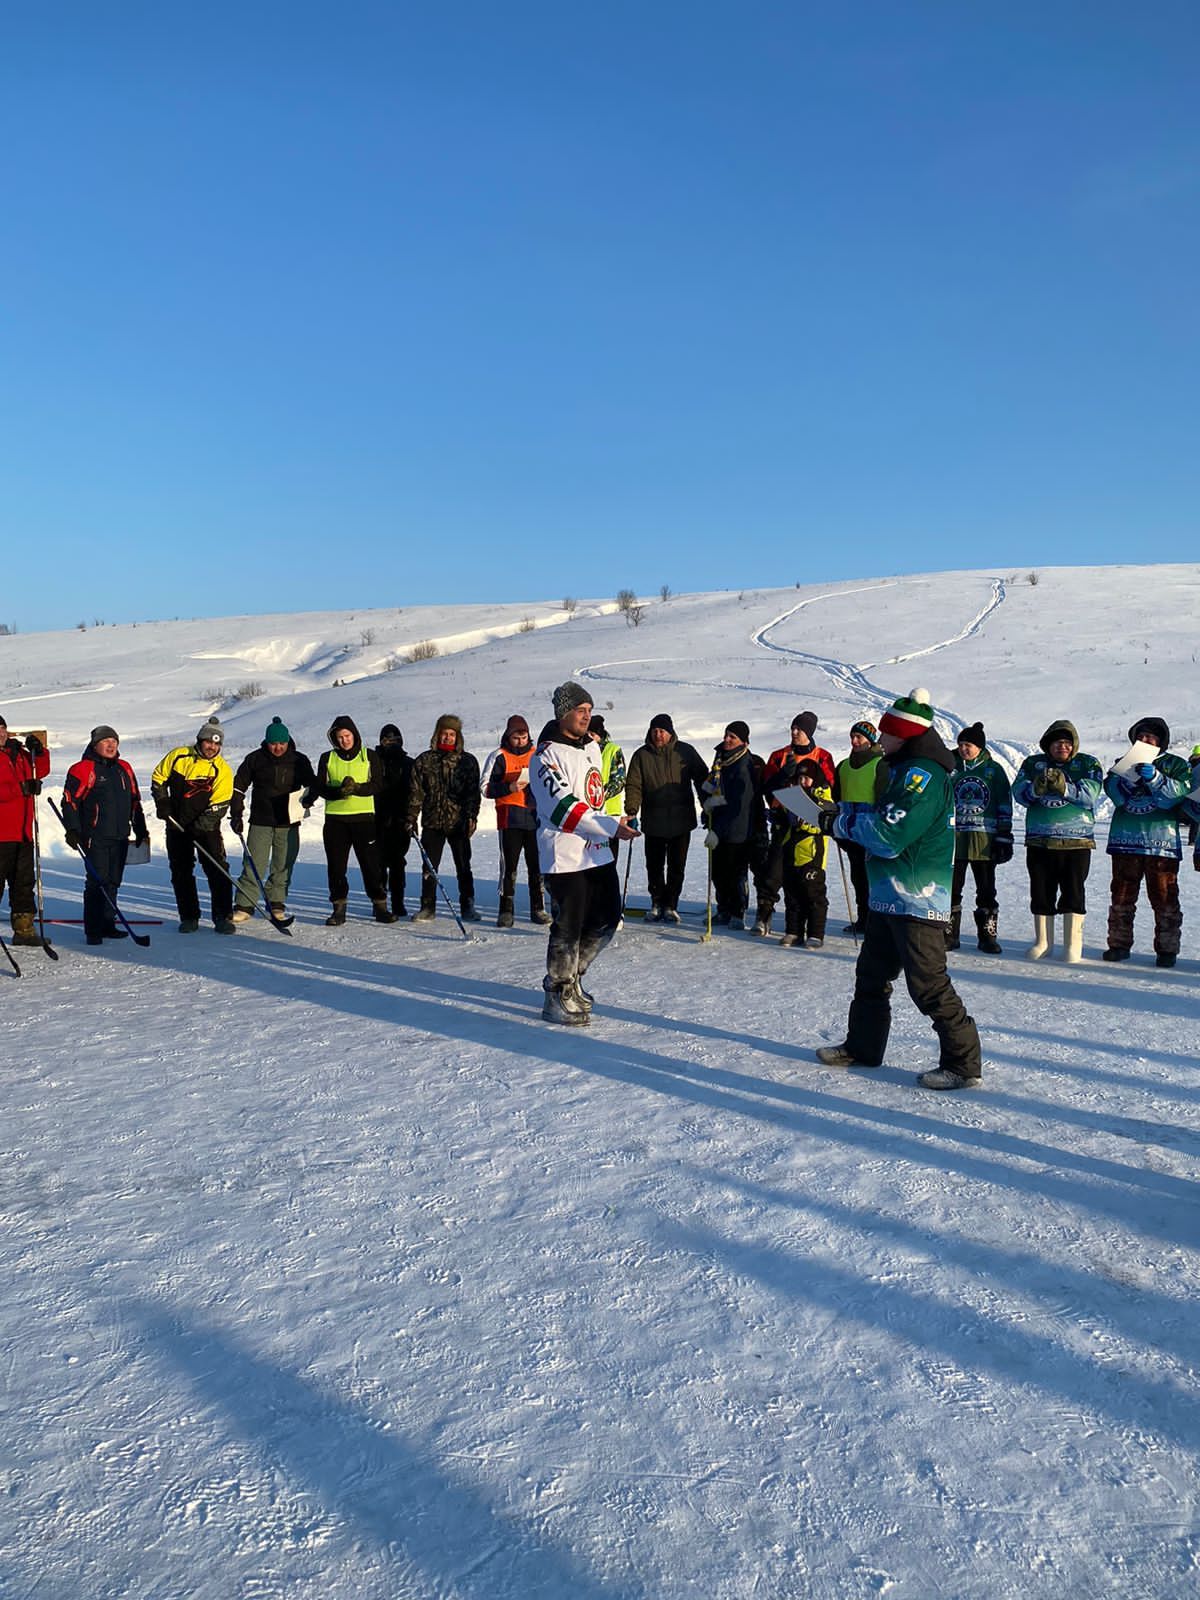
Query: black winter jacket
x,y
395,790
270,781
661,784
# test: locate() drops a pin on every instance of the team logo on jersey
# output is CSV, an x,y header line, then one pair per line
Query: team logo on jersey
x,y
916,781
593,789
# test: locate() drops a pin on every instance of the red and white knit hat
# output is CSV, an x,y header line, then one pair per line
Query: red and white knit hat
x,y
910,715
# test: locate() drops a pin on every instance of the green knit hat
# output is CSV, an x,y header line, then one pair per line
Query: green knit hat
x,y
908,716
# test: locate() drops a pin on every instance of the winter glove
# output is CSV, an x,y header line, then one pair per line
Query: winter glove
x,y
1002,851
34,745
237,826
1055,781
1147,773
349,786
31,786
711,842
72,839
141,839
162,808
827,816
472,824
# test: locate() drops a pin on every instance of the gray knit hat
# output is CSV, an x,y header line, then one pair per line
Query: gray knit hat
x,y
569,695
104,732
213,730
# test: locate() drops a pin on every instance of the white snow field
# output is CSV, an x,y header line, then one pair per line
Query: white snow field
x,y
330,1270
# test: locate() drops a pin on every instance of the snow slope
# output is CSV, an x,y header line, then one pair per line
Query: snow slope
x,y
328,1269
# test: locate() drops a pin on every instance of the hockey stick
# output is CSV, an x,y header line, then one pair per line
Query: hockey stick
x,y
37,868
225,873
471,938
142,939
853,915
11,958
282,923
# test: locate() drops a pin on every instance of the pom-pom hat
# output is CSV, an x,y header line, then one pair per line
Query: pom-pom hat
x,y
910,715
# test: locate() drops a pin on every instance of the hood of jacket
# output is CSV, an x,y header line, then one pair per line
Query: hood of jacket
x,y
448,720
335,726
1062,729
1157,726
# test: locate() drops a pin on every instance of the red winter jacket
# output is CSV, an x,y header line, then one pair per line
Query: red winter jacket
x,y
17,766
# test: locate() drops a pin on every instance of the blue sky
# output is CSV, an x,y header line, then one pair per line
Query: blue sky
x,y
310,305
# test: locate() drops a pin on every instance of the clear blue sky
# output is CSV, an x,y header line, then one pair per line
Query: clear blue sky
x,y
309,305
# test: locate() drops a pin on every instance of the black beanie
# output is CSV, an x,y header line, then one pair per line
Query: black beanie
x,y
972,735
806,721
741,731
390,731
662,720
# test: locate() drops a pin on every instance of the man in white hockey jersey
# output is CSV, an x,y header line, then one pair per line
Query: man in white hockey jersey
x,y
575,850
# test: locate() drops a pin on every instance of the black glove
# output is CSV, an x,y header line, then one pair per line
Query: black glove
x,y
34,745
236,825
141,839
72,839
1056,781
827,816
162,808
1002,850
30,786
349,786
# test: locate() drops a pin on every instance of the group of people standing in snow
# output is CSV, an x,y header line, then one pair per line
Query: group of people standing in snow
x,y
912,818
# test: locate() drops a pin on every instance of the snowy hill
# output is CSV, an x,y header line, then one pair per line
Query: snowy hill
x,y
330,1270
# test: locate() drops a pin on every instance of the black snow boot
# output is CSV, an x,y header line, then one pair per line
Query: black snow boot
x,y
468,912
505,918
337,916
952,932
986,922
382,914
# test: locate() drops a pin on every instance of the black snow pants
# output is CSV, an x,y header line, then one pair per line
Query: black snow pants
x,y
587,908
918,949
183,846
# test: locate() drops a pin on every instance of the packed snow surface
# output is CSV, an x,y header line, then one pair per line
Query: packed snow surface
x,y
330,1270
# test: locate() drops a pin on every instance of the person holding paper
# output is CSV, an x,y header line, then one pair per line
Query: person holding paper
x,y
909,839
276,774
665,778
101,806
1059,789
805,847
1146,788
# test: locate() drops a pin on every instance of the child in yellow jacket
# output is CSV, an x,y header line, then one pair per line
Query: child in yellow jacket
x,y
806,903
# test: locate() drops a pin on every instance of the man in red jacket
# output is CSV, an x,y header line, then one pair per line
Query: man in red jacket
x,y
22,768
781,773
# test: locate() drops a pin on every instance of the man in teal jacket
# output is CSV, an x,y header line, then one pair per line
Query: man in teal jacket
x,y
1143,841
909,839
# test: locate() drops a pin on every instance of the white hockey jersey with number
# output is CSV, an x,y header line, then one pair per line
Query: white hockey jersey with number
x,y
567,786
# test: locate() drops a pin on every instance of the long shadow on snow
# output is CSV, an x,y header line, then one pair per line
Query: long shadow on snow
x,y
386,1487
1142,1315
951,1331
1120,996
1155,1205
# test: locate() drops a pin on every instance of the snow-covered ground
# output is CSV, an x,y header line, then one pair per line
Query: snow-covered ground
x,y
330,1270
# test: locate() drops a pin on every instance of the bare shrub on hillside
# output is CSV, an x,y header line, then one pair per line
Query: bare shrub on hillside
x,y
570,605
250,690
366,638
625,599
424,650
664,594
1033,579
527,625
634,615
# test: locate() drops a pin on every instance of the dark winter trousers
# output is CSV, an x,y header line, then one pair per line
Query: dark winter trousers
x,y
515,843
857,857
183,846
984,873
393,840
435,841
768,876
805,900
107,857
16,872
918,949
587,908
340,835
730,865
1056,880
1162,888
666,863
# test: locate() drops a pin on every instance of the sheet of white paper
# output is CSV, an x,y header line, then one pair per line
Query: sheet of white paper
x,y
295,809
799,802
138,855
1135,755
